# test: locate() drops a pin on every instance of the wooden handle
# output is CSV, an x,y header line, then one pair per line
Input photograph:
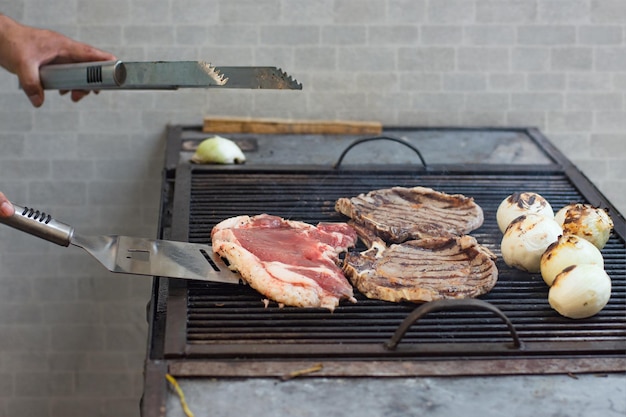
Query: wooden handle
x,y
280,126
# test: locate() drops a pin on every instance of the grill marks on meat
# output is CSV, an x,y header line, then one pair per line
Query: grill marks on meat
x,y
423,270
292,263
429,256
398,214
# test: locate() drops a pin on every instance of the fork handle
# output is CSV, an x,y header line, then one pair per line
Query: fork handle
x,y
40,224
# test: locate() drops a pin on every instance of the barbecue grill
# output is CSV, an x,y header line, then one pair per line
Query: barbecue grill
x,y
211,330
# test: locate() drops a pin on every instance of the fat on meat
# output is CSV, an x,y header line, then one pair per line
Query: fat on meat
x,y
290,262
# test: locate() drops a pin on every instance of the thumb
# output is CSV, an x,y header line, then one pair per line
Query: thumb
x,y
31,84
6,208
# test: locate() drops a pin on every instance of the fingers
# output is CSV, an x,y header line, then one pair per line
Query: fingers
x,y
78,94
81,52
6,208
30,48
31,84
55,48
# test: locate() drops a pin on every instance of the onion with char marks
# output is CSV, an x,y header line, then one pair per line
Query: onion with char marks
x,y
526,239
584,220
518,204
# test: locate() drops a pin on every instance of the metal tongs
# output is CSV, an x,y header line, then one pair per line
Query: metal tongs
x,y
161,75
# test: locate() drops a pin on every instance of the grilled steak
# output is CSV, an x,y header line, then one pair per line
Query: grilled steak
x,y
428,269
429,257
398,214
292,263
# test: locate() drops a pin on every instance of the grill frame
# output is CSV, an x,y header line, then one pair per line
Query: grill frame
x,y
171,298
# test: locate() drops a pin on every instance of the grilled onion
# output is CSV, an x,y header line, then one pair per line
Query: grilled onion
x,y
580,291
568,250
521,203
526,239
586,221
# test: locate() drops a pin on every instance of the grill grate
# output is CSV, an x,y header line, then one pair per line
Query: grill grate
x,y
232,321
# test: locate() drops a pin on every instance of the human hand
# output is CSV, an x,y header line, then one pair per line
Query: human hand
x,y
6,208
23,50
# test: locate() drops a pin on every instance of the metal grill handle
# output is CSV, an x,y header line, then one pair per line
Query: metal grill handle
x,y
463,304
391,138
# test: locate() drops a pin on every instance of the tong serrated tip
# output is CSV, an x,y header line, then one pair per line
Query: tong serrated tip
x,y
290,80
214,73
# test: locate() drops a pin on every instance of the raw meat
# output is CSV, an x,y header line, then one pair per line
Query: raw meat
x,y
290,262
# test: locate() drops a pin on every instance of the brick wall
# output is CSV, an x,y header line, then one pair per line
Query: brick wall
x,y
72,338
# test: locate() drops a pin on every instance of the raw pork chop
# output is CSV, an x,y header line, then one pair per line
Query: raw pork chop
x,y
398,214
290,262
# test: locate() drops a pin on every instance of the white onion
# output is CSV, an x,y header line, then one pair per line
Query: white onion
x,y
566,251
580,291
521,203
526,239
218,150
586,221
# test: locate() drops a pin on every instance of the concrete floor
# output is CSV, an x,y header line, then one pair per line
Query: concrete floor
x,y
554,395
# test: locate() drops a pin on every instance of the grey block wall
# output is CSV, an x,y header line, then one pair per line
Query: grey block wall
x,y
72,337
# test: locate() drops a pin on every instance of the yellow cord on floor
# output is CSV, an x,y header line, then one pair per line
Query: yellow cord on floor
x,y
180,394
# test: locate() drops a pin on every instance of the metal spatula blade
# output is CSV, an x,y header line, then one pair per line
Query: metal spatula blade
x,y
165,258
129,255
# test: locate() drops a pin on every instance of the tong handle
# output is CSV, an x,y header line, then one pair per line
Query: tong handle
x,y
83,76
40,224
